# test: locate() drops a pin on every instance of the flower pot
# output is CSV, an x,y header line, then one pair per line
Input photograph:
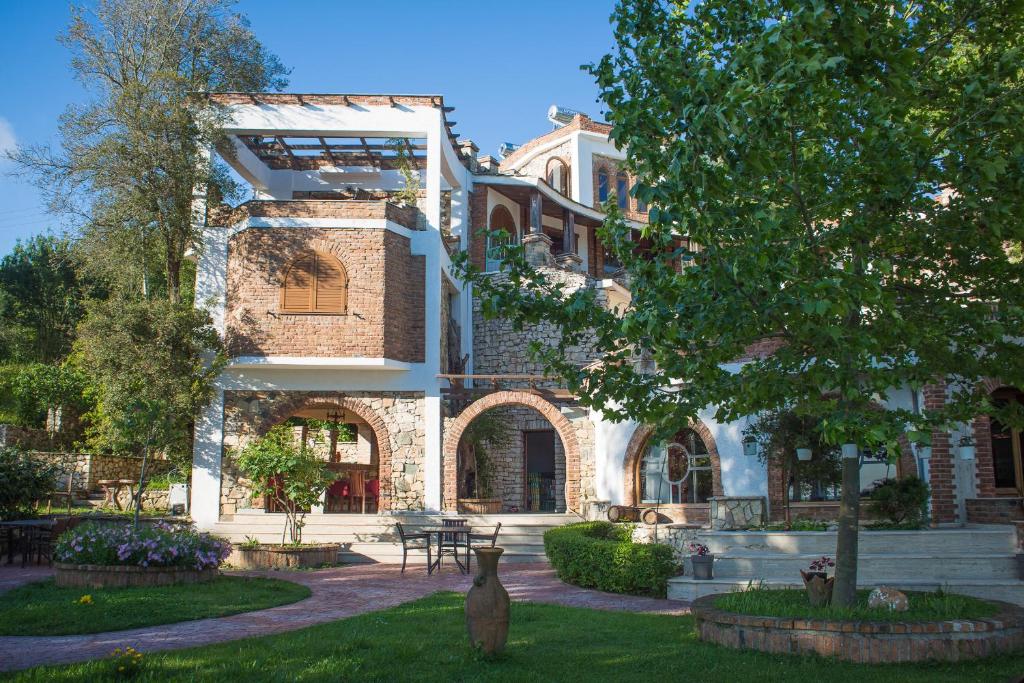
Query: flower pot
x,y
487,604
819,588
803,454
703,567
967,452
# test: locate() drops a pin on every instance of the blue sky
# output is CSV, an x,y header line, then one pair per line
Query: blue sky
x,y
500,64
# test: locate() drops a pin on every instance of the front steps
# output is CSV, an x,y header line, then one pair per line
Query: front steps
x,y
374,538
978,561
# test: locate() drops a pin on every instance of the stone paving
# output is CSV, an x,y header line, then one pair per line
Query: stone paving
x,y
337,593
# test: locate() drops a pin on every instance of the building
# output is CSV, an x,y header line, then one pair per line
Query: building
x,y
337,302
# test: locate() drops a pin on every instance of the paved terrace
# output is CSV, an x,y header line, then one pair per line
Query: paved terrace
x,y
337,593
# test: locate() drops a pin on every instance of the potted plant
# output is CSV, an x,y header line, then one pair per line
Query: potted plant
x,y
294,477
967,447
703,562
817,582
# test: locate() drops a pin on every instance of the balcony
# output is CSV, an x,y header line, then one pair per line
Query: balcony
x,y
342,209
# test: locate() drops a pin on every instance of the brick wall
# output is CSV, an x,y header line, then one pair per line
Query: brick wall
x,y
994,510
941,466
385,316
613,166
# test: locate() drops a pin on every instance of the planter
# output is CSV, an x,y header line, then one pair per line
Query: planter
x,y
284,556
487,604
804,454
480,506
114,576
819,588
703,567
967,452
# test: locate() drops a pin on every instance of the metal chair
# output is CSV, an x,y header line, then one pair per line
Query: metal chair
x,y
415,538
489,541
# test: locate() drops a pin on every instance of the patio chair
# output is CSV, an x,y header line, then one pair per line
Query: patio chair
x,y
412,542
489,540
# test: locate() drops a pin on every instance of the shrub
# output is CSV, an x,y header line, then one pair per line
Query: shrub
x,y
156,545
23,481
603,555
901,501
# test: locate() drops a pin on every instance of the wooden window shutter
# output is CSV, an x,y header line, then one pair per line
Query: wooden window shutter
x,y
315,283
331,286
297,292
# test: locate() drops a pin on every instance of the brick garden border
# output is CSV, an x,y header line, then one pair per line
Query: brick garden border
x,y
867,642
114,576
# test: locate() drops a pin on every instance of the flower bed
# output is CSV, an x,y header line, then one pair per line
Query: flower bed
x,y
99,555
603,555
867,641
284,556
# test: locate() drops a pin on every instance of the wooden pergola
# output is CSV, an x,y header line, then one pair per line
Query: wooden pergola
x,y
459,395
313,153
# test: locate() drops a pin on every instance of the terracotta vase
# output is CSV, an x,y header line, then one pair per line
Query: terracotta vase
x,y
487,604
819,588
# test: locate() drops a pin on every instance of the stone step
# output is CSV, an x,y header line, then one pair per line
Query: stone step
x,y
1009,590
875,567
984,539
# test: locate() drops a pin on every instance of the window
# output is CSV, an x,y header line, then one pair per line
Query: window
x,y
622,190
314,283
1007,447
558,175
503,229
676,472
602,185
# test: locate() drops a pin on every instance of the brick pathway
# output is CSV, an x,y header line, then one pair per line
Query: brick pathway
x,y
337,593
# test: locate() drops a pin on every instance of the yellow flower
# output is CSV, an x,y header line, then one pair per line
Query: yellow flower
x,y
120,668
85,600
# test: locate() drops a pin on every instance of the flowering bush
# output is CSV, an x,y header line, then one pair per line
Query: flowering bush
x,y
126,662
157,545
822,564
699,549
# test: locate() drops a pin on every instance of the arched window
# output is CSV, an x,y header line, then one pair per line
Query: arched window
x,y
557,175
675,472
314,283
503,227
602,184
622,190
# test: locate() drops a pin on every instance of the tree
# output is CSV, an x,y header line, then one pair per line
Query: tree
x,y
287,472
131,157
141,354
43,392
23,481
41,300
836,182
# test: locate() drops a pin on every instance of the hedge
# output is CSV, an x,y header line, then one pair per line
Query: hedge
x,y
603,555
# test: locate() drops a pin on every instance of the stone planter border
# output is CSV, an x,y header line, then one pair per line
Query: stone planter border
x,y
271,556
118,576
479,506
869,642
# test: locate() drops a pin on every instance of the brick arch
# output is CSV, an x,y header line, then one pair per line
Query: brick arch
x,y
638,443
981,427
562,425
286,409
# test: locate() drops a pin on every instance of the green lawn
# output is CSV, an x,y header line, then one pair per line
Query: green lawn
x,y
793,603
426,641
40,609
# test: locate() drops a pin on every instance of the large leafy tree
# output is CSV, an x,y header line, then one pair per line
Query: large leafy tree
x,y
41,300
849,181
131,158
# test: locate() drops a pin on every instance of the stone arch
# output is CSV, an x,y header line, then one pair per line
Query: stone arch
x,y
638,443
286,409
563,427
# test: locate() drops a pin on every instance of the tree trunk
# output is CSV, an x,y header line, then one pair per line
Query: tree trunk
x,y
142,487
845,592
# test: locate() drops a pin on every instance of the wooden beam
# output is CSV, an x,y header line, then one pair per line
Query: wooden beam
x,y
327,150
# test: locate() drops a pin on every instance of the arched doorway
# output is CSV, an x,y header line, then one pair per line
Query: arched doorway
x,y
502,233
1000,449
353,439
539,427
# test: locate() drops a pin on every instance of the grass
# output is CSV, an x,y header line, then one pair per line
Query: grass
x,y
426,641
937,606
41,609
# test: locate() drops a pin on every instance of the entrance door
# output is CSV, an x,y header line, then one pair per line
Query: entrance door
x,y
540,470
1007,449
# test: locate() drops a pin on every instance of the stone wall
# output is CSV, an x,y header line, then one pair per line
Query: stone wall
x,y
732,513
89,468
385,293
397,416
508,459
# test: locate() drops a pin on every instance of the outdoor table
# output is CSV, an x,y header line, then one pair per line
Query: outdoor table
x,y
111,487
130,483
440,531
22,525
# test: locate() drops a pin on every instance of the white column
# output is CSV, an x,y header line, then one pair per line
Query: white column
x,y
432,309
206,463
